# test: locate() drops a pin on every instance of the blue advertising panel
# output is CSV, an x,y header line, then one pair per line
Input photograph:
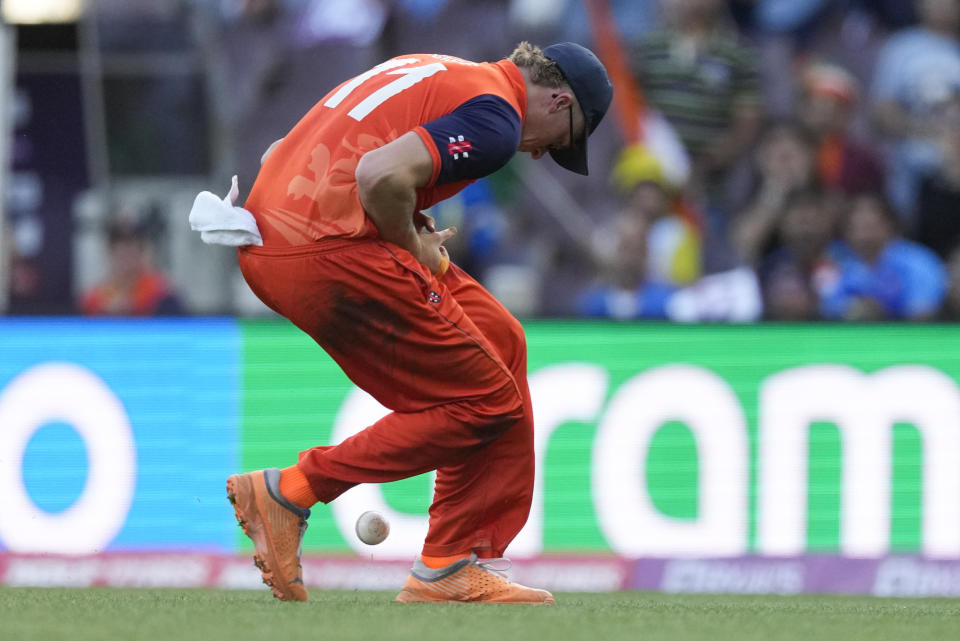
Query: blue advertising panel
x,y
117,434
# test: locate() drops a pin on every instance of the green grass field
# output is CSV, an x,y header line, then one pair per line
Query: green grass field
x,y
108,614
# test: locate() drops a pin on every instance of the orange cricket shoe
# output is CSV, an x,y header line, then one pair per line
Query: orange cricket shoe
x,y
276,527
467,580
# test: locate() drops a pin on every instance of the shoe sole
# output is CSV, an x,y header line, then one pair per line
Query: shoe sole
x,y
410,597
243,497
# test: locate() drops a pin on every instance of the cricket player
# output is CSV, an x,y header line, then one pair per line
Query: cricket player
x,y
349,257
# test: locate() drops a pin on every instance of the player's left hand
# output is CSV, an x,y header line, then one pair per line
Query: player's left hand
x,y
432,252
422,221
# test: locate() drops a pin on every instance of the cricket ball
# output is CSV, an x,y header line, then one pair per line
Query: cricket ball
x,y
372,528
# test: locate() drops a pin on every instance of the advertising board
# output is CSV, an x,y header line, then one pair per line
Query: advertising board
x,y
770,446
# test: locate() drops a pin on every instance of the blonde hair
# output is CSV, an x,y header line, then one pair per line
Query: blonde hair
x,y
541,69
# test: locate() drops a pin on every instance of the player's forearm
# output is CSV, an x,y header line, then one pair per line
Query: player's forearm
x,y
387,181
390,203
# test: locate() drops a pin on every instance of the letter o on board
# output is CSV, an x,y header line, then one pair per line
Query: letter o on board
x,y
66,392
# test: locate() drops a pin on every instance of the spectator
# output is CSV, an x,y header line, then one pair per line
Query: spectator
x,y
674,240
881,276
785,162
829,97
790,275
625,291
938,204
916,71
704,81
133,286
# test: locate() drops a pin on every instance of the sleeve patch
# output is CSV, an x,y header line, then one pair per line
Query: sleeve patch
x,y
459,145
475,139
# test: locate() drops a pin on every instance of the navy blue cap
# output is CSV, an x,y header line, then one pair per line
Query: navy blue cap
x,y
591,85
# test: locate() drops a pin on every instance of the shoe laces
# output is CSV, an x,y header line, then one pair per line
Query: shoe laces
x,y
498,566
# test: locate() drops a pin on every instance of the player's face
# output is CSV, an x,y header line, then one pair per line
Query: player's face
x,y
556,125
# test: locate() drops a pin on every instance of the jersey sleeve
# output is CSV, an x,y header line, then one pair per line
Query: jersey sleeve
x,y
474,140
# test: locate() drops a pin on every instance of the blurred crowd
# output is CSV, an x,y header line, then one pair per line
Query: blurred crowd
x,y
789,160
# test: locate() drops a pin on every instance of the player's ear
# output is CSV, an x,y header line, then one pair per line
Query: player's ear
x,y
562,99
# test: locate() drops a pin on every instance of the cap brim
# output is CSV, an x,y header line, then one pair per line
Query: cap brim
x,y
574,159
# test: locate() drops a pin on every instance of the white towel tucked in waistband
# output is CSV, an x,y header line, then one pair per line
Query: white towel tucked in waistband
x,y
220,222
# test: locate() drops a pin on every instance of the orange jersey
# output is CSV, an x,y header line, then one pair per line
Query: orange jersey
x,y
306,189
149,295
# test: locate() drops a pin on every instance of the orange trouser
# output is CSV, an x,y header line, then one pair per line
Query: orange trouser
x,y
443,354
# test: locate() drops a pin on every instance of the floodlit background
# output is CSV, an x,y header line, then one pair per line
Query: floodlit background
x,y
743,353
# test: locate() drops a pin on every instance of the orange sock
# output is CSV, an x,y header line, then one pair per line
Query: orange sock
x,y
436,562
295,487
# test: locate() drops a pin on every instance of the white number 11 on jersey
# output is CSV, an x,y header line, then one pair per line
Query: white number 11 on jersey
x,y
408,77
